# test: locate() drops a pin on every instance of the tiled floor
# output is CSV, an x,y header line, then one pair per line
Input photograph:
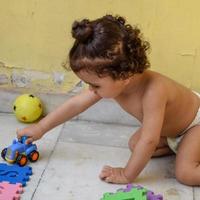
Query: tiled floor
x,y
72,156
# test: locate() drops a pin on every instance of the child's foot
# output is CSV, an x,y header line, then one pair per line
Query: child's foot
x,y
113,175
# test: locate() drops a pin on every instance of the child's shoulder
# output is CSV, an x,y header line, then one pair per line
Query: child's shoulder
x,y
156,82
156,76
160,86
160,81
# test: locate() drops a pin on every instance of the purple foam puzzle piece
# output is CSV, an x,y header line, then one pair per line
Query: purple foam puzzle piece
x,y
130,186
150,194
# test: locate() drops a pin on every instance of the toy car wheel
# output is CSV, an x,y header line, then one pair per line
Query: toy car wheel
x,y
3,153
34,155
21,160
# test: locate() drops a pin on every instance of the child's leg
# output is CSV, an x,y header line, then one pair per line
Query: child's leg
x,y
161,150
188,158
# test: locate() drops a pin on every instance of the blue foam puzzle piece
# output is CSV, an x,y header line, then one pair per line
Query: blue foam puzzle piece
x,y
14,173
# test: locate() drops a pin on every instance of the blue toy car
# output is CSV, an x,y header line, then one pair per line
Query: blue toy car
x,y
19,152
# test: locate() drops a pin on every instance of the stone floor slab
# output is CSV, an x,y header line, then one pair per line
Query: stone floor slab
x,y
69,166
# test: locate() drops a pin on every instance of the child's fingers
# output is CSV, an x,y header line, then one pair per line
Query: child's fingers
x,y
106,171
109,179
22,132
19,133
29,140
107,167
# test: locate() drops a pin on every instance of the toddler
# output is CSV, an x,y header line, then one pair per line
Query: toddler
x,y
111,57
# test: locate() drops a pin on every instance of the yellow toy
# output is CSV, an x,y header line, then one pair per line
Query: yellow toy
x,y
27,108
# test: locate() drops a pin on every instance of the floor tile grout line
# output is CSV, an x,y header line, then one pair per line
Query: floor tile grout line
x,y
99,145
49,158
193,193
101,122
86,120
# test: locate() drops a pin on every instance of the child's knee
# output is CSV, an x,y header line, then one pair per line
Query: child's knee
x,y
184,175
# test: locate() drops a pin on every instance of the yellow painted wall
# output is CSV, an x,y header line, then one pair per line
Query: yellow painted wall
x,y
35,38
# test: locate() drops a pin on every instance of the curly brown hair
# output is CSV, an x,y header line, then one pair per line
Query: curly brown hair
x,y
108,46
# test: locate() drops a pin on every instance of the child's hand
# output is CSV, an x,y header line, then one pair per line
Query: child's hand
x,y
33,132
113,175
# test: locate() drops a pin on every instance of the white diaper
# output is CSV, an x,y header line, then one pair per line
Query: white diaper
x,y
174,142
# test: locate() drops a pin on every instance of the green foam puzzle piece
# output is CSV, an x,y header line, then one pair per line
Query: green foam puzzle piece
x,y
134,194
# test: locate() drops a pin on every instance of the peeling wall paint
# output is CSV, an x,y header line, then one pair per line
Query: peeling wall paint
x,y
24,78
36,81
58,77
4,79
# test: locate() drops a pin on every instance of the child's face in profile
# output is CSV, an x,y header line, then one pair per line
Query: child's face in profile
x,y
105,87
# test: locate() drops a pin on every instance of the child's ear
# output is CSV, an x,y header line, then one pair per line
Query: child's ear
x,y
127,81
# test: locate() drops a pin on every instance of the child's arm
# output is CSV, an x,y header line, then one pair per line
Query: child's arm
x,y
154,104
66,111
69,109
